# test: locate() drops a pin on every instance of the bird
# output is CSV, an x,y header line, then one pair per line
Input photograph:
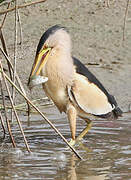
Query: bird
x,y
71,86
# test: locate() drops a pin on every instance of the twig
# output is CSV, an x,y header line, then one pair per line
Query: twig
x,y
22,6
3,41
17,77
2,121
2,38
5,112
124,26
20,27
46,119
15,58
5,50
2,124
129,108
15,112
5,16
24,104
4,2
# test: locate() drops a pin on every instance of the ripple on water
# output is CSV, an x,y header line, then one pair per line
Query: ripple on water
x,y
106,150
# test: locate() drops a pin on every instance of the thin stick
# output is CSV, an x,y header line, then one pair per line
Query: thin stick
x,y
124,26
5,50
4,2
18,106
12,104
21,42
46,119
18,80
17,77
2,121
10,132
20,27
5,112
2,39
2,124
5,15
3,42
15,58
22,6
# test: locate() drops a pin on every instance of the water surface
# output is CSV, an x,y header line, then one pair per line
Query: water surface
x,y
106,150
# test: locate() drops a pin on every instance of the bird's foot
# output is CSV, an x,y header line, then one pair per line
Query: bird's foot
x,y
72,142
79,144
84,132
76,141
80,137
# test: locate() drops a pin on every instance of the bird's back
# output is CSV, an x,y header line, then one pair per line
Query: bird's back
x,y
83,70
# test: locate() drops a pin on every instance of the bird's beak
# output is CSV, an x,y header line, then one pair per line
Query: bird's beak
x,y
40,61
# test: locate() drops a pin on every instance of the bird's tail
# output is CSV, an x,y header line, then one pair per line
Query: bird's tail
x,y
117,112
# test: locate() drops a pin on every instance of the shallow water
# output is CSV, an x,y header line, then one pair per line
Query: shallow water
x,y
106,150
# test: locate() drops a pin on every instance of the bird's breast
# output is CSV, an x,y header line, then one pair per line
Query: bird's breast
x,y
57,94
60,74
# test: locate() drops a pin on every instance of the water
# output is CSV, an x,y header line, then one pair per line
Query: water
x,y
106,150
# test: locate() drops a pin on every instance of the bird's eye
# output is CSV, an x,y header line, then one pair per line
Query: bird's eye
x,y
45,46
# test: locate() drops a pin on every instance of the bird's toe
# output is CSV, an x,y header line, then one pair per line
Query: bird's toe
x,y
72,142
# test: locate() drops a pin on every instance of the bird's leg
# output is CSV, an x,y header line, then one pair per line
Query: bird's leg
x,y
71,113
85,131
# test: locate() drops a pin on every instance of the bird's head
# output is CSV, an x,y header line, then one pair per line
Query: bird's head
x,y
54,38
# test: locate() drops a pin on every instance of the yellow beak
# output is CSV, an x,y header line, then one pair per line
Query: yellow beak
x,y
40,61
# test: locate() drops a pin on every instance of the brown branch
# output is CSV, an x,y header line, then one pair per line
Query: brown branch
x,y
2,124
5,15
20,29
18,80
5,113
13,107
22,6
17,77
3,41
5,50
15,58
2,95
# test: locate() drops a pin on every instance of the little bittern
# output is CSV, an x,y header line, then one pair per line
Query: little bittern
x,y
70,85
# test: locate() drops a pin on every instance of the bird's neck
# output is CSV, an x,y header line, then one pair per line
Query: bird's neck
x,y
60,66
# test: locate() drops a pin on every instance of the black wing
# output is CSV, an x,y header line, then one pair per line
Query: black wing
x,y
83,70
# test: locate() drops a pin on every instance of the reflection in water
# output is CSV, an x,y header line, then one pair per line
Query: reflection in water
x,y
106,151
72,172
